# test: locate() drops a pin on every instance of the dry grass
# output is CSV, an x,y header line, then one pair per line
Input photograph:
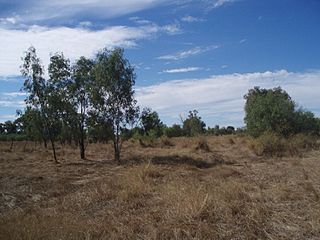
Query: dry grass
x,y
167,191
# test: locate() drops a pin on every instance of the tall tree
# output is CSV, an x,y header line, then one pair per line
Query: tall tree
x,y
44,96
82,79
113,94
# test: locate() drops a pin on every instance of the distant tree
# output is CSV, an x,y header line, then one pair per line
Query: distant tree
x,y
230,130
305,122
2,128
150,121
193,125
33,125
174,131
269,110
10,127
113,94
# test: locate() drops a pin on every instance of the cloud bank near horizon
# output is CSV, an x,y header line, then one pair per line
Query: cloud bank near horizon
x,y
219,99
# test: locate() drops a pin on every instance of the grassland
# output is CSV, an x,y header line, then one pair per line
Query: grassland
x,y
183,188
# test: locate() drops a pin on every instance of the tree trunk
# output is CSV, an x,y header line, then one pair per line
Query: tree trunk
x,y
11,146
45,143
54,151
82,149
81,144
117,153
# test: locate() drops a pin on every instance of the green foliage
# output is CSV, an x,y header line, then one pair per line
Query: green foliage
x,y
174,131
151,123
273,110
112,94
269,110
305,122
193,125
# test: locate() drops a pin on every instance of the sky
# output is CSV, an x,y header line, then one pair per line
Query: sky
x,y
191,54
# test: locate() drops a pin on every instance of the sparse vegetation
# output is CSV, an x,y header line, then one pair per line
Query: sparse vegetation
x,y
160,193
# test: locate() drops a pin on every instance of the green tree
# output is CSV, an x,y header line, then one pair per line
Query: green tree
x,y
82,80
45,96
150,121
33,125
113,94
269,110
193,125
305,122
10,127
2,128
174,131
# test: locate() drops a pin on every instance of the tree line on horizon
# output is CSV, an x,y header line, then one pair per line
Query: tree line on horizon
x,y
92,100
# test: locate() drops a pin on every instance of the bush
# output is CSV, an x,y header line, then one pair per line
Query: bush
x,y
174,131
269,144
273,145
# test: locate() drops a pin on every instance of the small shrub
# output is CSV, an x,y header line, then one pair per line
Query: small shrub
x,y
269,144
166,142
273,145
147,141
303,141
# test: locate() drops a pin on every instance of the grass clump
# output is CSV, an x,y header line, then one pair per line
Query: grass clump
x,y
271,144
201,144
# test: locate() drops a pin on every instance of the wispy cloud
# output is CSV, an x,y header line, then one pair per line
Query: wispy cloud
x,y
220,3
14,94
138,20
188,53
191,19
12,103
243,40
220,98
6,117
31,11
74,42
182,70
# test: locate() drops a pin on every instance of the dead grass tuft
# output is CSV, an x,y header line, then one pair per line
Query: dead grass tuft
x,y
202,145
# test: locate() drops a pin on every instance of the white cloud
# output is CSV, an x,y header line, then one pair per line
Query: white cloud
x,y
12,103
6,117
219,99
242,40
191,19
220,3
188,53
172,29
42,10
14,94
182,70
73,42
8,20
139,20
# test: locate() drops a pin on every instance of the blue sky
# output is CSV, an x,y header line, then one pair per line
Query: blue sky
x,y
188,54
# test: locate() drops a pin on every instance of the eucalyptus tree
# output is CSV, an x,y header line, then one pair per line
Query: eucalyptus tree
x,y
38,92
113,95
79,89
